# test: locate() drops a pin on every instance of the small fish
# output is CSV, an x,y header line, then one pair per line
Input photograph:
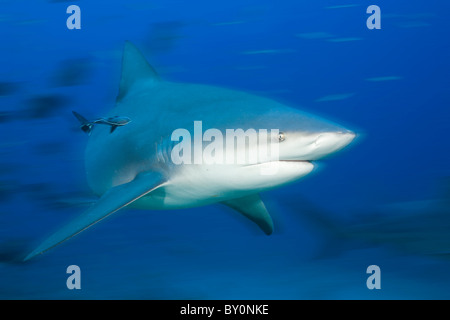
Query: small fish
x,y
43,106
336,97
387,78
8,88
114,122
342,6
72,72
348,39
314,35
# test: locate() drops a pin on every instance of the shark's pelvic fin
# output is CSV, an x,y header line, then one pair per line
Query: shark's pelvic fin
x,y
253,208
135,69
114,199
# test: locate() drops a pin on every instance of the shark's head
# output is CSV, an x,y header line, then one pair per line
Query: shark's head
x,y
294,139
303,136
296,135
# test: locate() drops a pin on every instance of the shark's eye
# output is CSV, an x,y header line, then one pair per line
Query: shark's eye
x,y
281,137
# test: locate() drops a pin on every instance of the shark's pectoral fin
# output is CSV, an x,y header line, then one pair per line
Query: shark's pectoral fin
x,y
253,208
114,199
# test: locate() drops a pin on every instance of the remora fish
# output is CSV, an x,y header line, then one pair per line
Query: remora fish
x,y
114,122
134,166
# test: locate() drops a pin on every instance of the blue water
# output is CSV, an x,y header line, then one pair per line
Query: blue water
x,y
390,86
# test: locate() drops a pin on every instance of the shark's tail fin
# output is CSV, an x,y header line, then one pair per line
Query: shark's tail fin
x,y
86,125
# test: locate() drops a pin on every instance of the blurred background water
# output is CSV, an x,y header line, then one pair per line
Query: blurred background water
x,y
383,201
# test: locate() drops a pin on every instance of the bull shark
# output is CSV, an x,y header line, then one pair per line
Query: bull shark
x,y
114,122
134,167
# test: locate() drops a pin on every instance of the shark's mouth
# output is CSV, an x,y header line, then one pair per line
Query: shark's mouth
x,y
286,170
306,161
298,162
282,161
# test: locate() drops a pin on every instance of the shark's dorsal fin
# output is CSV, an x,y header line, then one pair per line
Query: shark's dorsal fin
x,y
135,70
254,209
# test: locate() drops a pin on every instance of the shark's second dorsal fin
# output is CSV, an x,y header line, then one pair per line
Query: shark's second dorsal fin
x,y
135,70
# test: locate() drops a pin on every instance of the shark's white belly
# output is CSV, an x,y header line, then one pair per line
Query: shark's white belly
x,y
196,185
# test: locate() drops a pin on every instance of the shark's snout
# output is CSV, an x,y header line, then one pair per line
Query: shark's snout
x,y
334,139
330,142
